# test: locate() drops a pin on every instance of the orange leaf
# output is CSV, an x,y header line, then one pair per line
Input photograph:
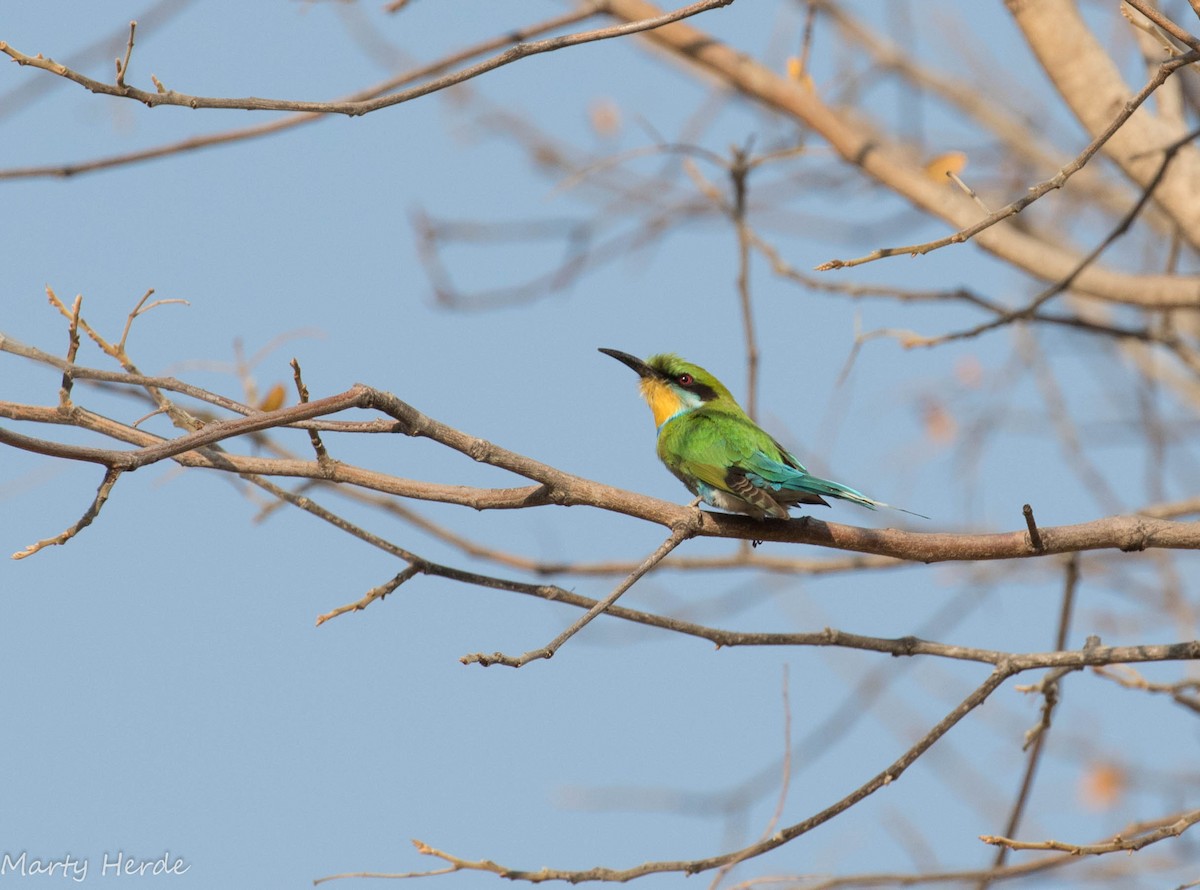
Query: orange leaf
x,y
940,425
273,399
1102,785
796,73
944,164
605,118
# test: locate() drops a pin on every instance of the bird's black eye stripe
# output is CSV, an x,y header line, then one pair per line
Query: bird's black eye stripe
x,y
694,386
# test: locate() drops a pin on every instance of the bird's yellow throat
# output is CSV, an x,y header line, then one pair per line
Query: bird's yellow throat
x,y
661,398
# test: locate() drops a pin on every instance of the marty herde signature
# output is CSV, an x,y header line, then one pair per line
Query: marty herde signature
x,y
112,865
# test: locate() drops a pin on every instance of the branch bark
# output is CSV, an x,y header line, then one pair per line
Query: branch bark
x,y
899,170
1090,83
1126,533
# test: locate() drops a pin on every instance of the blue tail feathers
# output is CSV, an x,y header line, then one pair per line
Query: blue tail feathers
x,y
770,474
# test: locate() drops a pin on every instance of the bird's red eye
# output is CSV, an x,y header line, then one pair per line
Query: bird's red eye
x,y
685,380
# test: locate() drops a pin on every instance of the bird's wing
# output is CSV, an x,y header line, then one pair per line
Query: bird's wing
x,y
707,446
692,451
727,452
788,458
731,453
716,446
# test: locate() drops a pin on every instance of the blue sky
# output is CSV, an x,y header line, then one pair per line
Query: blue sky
x,y
167,689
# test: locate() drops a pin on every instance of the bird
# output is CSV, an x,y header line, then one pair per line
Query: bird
x,y
713,447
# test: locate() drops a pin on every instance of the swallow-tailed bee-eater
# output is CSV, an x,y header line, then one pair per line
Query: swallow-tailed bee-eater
x,y
715,449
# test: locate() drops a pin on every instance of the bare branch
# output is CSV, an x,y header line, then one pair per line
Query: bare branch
x,y
863,146
1118,844
1185,692
781,837
375,593
554,486
824,134
163,96
253,132
1091,84
68,380
1045,187
314,436
93,510
123,66
679,534
1035,739
1122,226
785,783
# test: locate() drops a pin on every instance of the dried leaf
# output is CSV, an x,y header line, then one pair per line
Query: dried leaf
x,y
944,164
273,400
605,118
940,426
1102,785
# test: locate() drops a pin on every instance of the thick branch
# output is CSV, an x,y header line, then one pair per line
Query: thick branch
x,y
1090,83
899,170
1128,533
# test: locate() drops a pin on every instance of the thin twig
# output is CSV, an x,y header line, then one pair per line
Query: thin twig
x,y
1029,309
1035,539
140,309
1155,15
375,593
123,66
68,379
739,171
781,267
253,132
1036,738
1117,844
314,437
110,479
680,534
163,96
784,785
1165,70
1126,676
778,839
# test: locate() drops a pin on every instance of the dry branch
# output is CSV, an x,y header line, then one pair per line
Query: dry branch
x,y
895,168
553,486
1121,843
211,436
353,108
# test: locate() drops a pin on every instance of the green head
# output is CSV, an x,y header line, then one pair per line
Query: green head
x,y
672,387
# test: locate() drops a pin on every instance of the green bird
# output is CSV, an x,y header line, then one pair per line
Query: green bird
x,y
715,449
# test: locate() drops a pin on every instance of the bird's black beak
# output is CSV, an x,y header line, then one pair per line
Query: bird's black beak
x,y
643,369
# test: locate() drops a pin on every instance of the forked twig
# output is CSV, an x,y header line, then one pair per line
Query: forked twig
x,y
123,66
679,534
